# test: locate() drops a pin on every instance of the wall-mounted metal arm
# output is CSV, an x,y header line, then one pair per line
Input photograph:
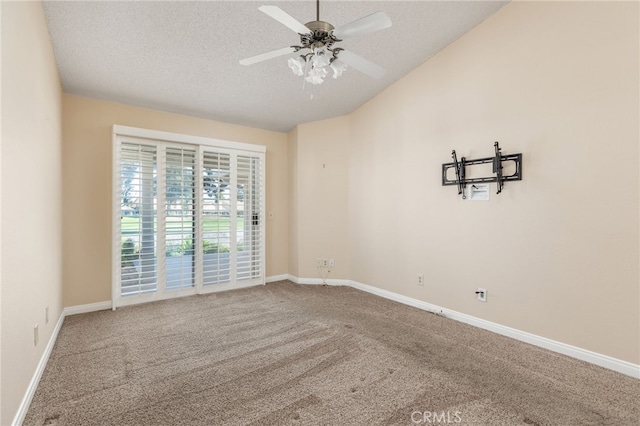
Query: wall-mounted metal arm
x,y
459,166
497,167
459,173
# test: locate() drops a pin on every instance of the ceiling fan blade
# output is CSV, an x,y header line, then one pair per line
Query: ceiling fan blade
x,y
361,64
268,55
368,24
284,18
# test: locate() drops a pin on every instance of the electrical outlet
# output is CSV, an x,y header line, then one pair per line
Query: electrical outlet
x,y
325,263
332,263
46,315
35,335
420,280
319,262
481,293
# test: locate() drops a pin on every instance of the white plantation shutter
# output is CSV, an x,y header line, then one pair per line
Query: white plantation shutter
x,y
180,217
216,217
250,238
189,215
138,173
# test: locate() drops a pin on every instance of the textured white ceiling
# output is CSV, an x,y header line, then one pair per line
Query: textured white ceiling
x,y
183,56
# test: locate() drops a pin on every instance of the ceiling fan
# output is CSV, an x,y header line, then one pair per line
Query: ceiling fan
x,y
318,53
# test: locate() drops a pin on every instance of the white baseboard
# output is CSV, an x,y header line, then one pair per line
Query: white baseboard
x,y
33,384
275,278
605,361
293,278
90,307
318,281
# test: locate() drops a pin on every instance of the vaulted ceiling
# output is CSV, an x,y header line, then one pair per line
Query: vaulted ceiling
x,y
183,56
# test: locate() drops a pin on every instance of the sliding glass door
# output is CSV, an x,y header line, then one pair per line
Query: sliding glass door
x,y
188,219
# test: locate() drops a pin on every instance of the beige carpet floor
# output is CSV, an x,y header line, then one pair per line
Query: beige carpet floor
x,y
312,355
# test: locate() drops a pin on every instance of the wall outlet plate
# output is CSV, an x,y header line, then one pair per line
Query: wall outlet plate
x,y
420,280
482,294
478,191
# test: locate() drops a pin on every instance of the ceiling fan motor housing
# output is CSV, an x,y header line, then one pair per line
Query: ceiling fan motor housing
x,y
319,26
319,36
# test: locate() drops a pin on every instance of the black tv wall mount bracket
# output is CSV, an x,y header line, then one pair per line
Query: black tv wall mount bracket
x,y
460,166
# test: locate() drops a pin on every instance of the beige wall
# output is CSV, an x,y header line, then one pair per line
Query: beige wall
x,y
320,197
292,189
31,198
558,251
87,145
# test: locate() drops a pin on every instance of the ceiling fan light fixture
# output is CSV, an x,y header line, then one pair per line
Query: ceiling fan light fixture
x,y
320,59
316,64
316,75
297,65
338,67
